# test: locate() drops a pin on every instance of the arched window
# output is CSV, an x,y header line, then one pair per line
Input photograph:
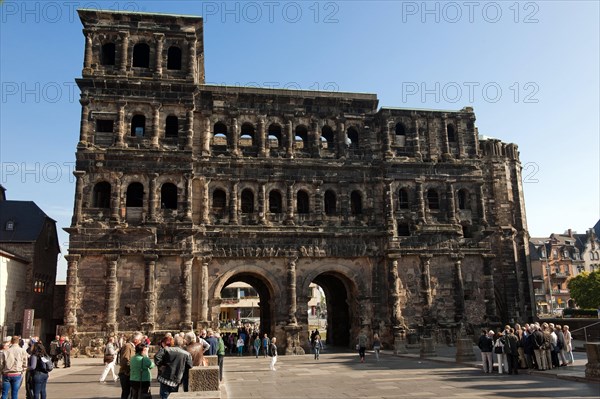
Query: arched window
x,y
220,134
403,199
356,203
168,196
330,203
400,135
302,203
352,137
403,230
247,201
327,135
171,126
141,55
174,58
433,199
451,132
247,135
135,196
102,195
274,133
275,202
108,54
462,199
219,201
467,231
138,126
301,139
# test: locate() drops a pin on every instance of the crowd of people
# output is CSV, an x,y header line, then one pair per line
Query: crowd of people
x,y
26,360
532,346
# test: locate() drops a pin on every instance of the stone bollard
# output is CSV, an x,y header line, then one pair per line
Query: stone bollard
x,y
464,350
592,368
399,346
204,379
212,360
427,347
199,395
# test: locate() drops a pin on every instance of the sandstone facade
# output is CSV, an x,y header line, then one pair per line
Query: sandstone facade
x,y
404,217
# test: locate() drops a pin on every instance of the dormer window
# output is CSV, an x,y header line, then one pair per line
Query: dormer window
x,y
10,225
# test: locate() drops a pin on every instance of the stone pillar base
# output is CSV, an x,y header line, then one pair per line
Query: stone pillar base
x,y
293,344
399,346
204,378
464,350
592,368
427,347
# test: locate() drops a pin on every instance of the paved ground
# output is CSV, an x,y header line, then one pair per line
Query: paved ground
x,y
340,375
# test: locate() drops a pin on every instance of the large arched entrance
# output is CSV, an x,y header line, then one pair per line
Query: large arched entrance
x,y
265,311
338,299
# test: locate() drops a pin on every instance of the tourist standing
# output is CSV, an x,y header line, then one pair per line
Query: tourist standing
x,y
55,350
38,371
273,353
66,351
140,376
172,363
13,363
220,354
125,354
317,346
110,359
486,346
265,344
568,349
196,349
256,344
362,346
240,345
512,351
500,351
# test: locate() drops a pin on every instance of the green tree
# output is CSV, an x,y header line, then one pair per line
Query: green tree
x,y
585,290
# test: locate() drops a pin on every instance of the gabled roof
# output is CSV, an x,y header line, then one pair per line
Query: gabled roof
x,y
597,228
28,220
7,254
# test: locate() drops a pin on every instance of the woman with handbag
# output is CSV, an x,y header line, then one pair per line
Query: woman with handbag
x,y
110,358
140,376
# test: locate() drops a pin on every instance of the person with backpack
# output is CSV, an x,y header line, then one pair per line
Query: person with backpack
x,y
40,364
66,351
55,350
220,354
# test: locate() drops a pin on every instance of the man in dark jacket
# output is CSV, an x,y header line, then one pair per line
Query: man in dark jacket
x,y
486,345
173,363
126,352
511,346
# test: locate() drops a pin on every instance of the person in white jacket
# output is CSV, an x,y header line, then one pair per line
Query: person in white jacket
x,y
110,358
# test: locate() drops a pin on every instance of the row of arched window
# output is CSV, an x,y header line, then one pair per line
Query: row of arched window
x,y
433,199
401,133
140,56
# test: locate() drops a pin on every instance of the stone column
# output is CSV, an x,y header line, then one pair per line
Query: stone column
x,y
291,273
488,288
289,218
112,299
121,124
71,302
77,211
460,288
88,54
341,140
192,59
262,203
188,196
150,297
235,137
460,141
432,140
420,201
115,200
124,51
262,138
387,138
186,292
159,38
206,203
190,128
389,204
84,129
204,293
318,205
451,202
317,137
398,324
416,139
155,124
152,197
206,137
289,134
426,294
234,203
481,205
445,144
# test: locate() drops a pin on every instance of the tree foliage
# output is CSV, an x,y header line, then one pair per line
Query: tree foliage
x,y
585,290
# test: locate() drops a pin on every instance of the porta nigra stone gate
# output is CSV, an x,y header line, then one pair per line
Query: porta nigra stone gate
x,y
406,218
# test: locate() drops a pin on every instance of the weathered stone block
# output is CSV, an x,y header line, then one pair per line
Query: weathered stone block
x,y
464,350
204,379
592,368
427,347
212,360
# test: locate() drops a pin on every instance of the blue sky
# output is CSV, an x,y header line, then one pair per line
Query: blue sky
x,y
529,69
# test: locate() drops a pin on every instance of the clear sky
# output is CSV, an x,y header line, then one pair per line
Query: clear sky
x,y
529,69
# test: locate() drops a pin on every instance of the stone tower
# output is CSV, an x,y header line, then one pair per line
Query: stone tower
x,y
403,217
